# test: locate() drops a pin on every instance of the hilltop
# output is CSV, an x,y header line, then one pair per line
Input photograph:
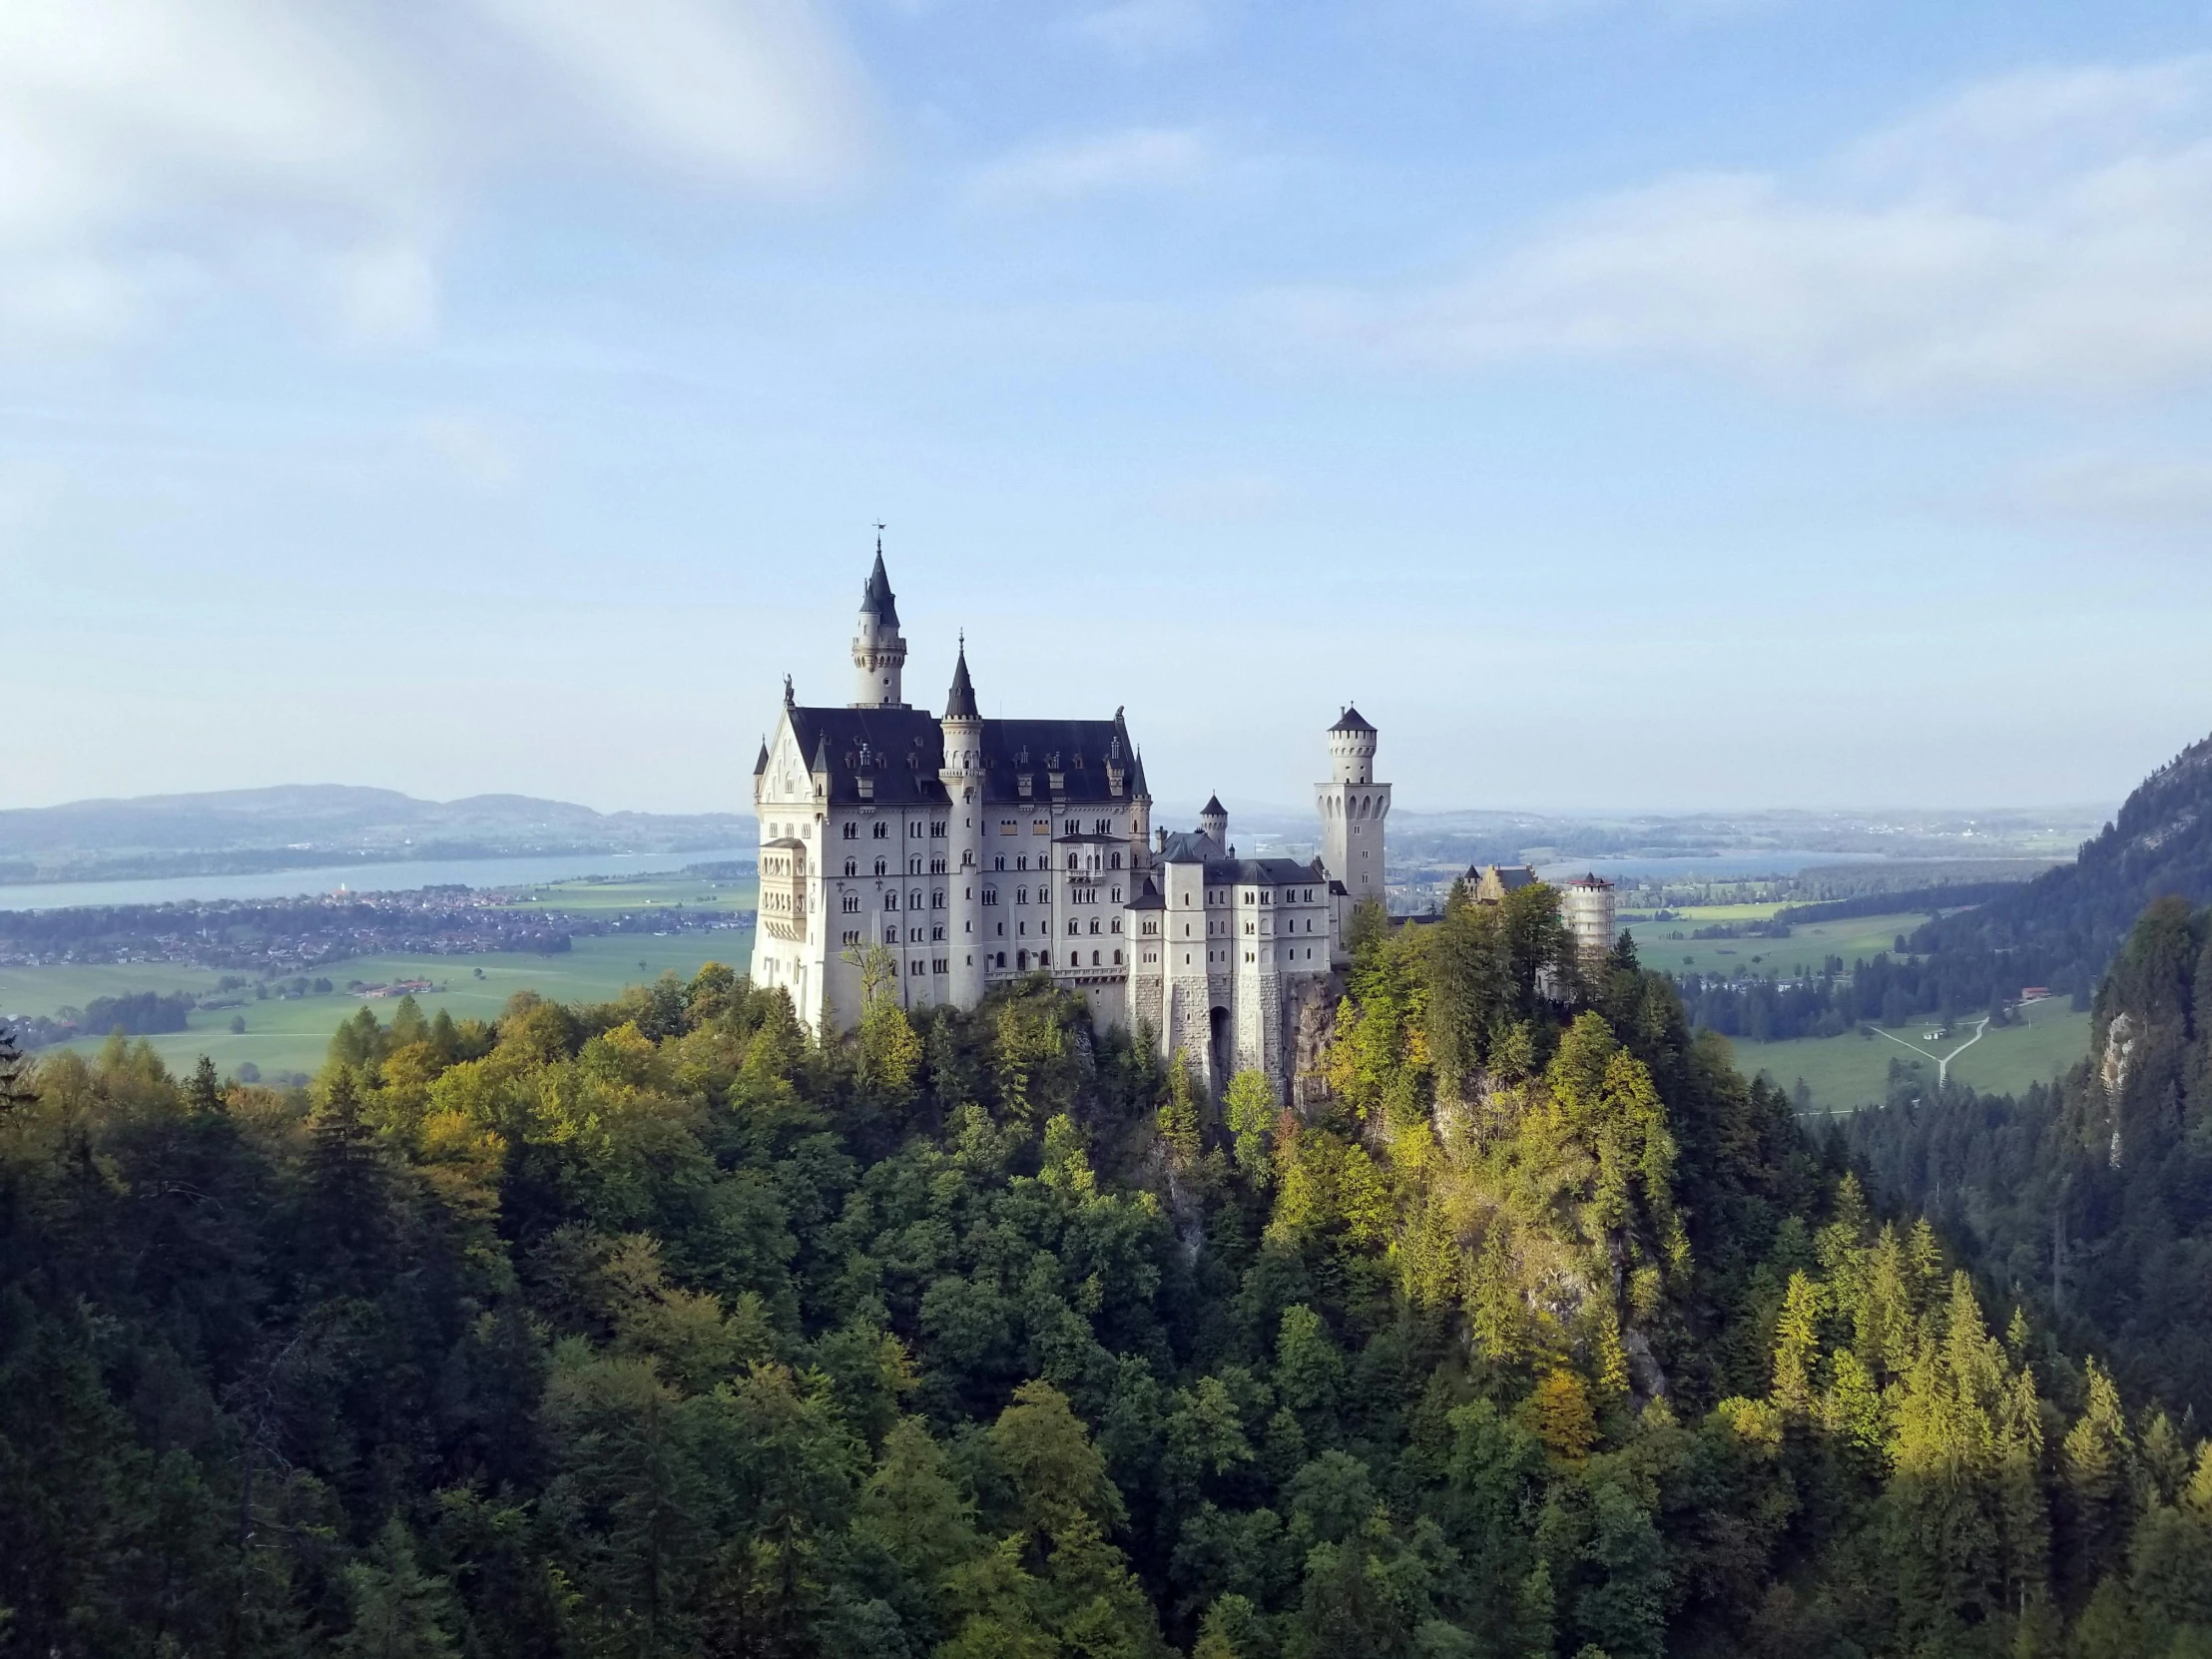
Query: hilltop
x,y
2063,927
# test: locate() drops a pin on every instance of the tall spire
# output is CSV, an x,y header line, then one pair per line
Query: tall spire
x,y
959,702
878,652
877,599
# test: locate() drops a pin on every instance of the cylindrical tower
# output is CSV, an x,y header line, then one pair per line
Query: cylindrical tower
x,y
962,776
1213,821
1351,748
878,649
1353,806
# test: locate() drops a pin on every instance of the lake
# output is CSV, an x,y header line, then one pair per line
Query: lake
x,y
402,876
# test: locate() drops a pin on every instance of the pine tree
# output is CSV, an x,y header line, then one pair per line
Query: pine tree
x,y
399,1611
1797,1344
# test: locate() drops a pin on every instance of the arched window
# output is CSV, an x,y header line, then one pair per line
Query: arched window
x,y
1117,959
853,867
1072,929
890,901
852,903
1021,958
853,832
1094,958
883,832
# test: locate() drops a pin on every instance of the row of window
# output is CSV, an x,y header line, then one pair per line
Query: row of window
x,y
880,830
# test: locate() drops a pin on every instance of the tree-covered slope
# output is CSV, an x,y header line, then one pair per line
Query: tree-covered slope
x,y
658,1330
2063,927
2093,1198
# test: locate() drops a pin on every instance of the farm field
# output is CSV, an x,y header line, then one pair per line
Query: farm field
x,y
1852,939
1847,1072
292,1036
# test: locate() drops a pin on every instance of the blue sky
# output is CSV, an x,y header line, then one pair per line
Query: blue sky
x,y
1632,403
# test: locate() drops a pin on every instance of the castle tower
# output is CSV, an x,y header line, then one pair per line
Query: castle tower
x,y
879,650
1586,907
1213,822
962,776
1353,807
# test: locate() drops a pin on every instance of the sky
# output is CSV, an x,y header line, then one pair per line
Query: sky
x,y
1632,405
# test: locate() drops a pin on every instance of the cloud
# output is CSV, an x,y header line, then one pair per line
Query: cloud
x,y
1067,170
1146,28
156,151
757,92
2047,231
2116,489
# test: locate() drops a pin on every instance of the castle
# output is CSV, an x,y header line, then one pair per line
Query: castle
x,y
956,853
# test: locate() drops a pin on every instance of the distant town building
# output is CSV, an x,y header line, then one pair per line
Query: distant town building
x,y
2034,994
1586,907
954,854
1489,883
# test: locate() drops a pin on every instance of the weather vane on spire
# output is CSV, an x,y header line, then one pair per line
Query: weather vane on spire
x,y
879,535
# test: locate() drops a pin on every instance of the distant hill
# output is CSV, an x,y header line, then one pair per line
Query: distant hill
x,y
2062,929
301,823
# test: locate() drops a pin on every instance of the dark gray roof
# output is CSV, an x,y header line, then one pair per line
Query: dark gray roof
x,y
761,764
877,599
959,702
902,749
1350,720
1188,847
1213,808
1512,877
1148,898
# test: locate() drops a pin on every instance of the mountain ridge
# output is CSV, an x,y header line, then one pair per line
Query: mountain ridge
x,y
318,820
2065,925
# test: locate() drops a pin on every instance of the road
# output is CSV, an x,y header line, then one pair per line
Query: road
x,y
1943,1061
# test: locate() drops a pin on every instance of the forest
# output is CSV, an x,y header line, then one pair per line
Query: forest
x,y
661,1329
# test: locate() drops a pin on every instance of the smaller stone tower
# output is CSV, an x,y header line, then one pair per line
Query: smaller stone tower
x,y
1213,822
962,776
1353,809
878,649
1586,907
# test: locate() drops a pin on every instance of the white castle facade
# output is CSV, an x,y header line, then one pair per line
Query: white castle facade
x,y
959,852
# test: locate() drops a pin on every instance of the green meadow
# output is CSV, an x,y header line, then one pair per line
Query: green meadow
x,y
293,1034
1852,939
1847,1072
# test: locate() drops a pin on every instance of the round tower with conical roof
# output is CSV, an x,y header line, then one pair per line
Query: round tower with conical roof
x,y
962,776
1353,807
1213,821
878,649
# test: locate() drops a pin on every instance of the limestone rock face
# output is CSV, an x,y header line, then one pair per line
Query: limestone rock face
x,y
1312,1026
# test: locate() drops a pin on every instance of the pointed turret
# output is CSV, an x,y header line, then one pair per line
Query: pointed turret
x,y
959,702
878,651
1213,821
877,599
761,766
